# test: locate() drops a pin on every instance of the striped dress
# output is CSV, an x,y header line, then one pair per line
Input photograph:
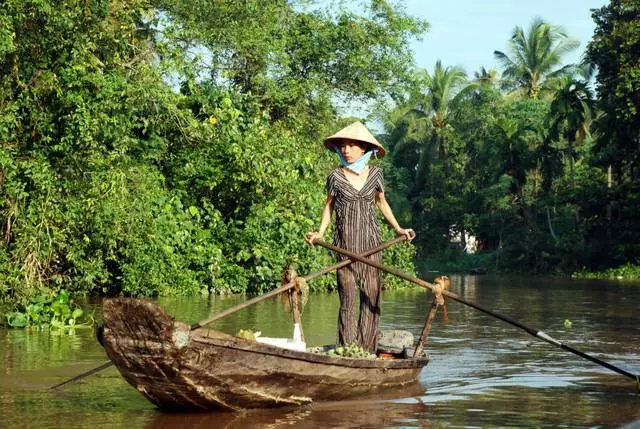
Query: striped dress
x,y
356,229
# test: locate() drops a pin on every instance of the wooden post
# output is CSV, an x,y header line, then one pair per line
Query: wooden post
x,y
295,310
427,327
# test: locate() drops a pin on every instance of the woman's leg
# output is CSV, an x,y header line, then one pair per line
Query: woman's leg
x,y
347,333
369,309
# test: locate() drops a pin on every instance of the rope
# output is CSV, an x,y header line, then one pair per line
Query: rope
x,y
301,286
437,293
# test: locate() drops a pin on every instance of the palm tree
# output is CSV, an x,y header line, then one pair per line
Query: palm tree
x,y
570,111
515,158
416,126
532,68
419,136
484,77
442,90
407,130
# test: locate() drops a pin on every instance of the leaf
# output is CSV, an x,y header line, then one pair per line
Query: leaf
x,y
63,297
17,320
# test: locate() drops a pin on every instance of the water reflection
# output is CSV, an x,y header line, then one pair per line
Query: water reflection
x,y
346,414
483,372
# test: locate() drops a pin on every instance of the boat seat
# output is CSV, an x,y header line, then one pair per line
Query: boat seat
x,y
395,338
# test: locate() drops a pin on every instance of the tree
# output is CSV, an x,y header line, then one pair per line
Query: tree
x,y
486,77
535,56
300,60
570,114
615,51
436,96
125,166
86,120
425,145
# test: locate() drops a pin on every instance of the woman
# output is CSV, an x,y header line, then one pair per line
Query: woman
x,y
352,191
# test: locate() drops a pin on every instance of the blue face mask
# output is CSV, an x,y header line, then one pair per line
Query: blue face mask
x,y
360,164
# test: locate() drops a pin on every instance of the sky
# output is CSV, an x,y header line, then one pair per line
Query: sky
x,y
466,32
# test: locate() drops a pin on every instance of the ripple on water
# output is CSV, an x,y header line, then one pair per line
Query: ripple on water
x,y
482,373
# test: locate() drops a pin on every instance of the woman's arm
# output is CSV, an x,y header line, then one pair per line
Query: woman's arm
x,y
324,222
385,208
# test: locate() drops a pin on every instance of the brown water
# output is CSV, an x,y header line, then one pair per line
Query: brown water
x,y
483,372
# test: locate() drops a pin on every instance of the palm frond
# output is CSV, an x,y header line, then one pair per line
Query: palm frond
x,y
534,56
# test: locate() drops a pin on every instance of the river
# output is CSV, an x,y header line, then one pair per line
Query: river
x,y
483,372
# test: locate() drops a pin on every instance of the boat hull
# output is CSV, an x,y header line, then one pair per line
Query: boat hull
x,y
176,368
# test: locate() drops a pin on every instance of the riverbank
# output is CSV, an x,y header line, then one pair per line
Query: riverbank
x,y
456,262
624,272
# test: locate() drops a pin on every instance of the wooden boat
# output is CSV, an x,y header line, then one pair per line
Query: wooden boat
x,y
179,368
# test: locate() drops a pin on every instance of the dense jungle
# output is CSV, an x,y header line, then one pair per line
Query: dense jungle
x,y
165,147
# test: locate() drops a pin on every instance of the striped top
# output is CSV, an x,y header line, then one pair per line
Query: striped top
x,y
356,227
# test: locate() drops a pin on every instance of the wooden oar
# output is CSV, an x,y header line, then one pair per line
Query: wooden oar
x,y
292,284
538,334
246,304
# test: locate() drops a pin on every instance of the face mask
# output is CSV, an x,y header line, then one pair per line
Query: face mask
x,y
360,164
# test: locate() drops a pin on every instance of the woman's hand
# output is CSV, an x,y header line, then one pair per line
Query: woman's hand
x,y
409,233
309,237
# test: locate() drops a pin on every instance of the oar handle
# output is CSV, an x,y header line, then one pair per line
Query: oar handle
x,y
107,364
531,331
245,304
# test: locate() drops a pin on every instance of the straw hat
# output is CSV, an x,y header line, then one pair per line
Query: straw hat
x,y
355,131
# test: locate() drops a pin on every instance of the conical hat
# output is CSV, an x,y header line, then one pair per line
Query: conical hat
x,y
355,131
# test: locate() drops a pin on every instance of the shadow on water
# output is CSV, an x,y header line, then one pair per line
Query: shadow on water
x,y
482,372
369,413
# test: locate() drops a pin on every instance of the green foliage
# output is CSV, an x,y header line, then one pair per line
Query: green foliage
x,y
131,165
615,50
629,271
58,311
173,147
453,260
298,58
400,256
536,55
520,171
85,203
